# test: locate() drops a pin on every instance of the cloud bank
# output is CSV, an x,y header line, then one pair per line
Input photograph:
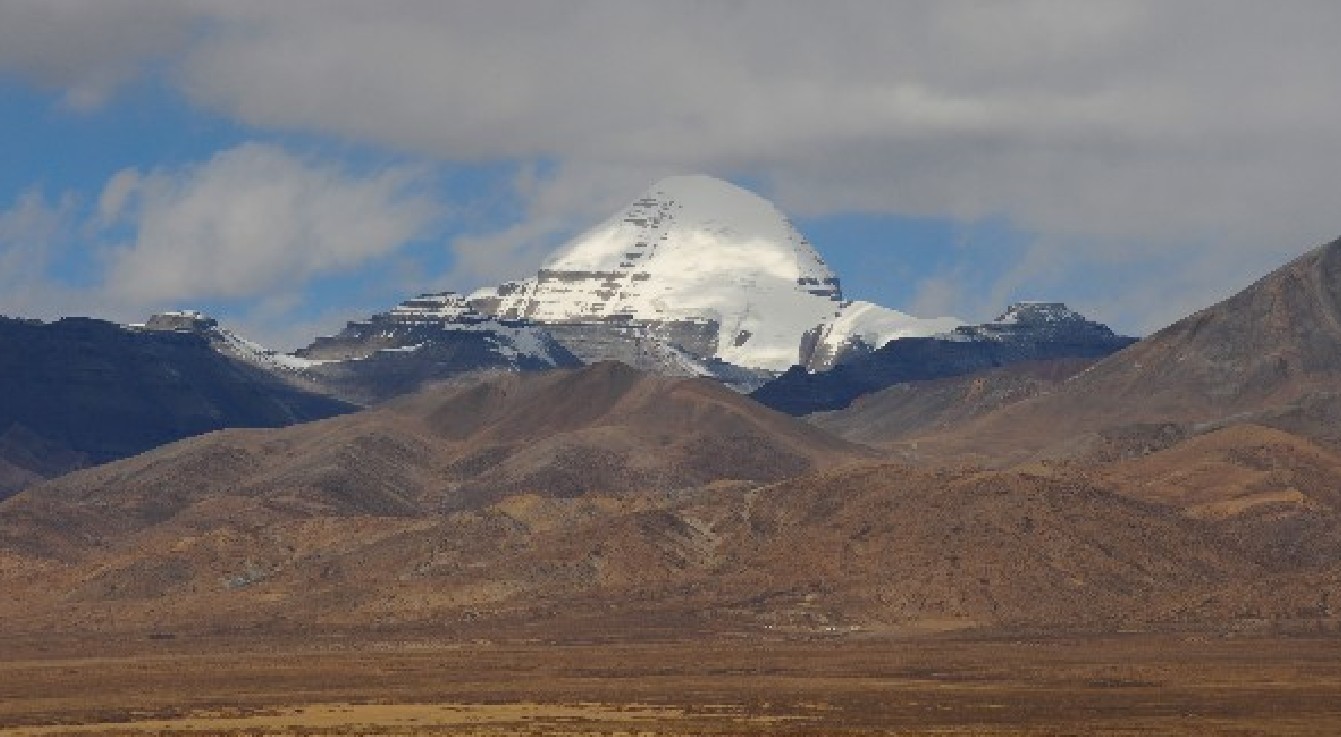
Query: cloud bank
x,y
252,225
1196,136
253,220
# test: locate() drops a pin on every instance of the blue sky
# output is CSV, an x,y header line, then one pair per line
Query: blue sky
x,y
288,166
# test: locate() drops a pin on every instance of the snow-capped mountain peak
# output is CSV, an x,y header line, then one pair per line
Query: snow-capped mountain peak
x,y
712,267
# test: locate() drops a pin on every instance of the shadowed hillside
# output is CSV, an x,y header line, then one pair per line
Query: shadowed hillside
x,y
80,391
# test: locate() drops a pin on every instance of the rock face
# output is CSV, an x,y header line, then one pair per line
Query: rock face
x,y
81,391
439,317
456,337
709,268
1027,331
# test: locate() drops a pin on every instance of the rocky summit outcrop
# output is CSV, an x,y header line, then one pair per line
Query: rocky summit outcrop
x,y
79,391
1027,331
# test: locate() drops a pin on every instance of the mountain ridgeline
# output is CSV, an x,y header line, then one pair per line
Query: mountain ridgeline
x,y
695,277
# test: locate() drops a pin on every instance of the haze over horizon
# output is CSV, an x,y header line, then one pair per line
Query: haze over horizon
x,y
288,167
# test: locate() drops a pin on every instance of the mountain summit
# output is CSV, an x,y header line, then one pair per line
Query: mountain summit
x,y
710,267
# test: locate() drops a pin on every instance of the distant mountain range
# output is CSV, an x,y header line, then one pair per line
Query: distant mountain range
x,y
695,277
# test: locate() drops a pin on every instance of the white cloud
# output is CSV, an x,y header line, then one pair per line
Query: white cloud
x,y
1198,136
1110,129
34,231
88,48
116,194
256,220
249,229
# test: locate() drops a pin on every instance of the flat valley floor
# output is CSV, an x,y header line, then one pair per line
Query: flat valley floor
x,y
850,684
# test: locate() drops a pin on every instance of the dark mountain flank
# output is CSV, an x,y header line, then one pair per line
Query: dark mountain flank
x,y
80,391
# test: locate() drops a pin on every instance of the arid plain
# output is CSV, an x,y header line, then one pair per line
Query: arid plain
x,y
803,684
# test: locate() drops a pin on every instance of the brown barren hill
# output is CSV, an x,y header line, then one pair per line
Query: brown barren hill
x,y
604,502
612,428
882,548
422,505
607,428
1235,470
1269,354
892,545
1276,495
